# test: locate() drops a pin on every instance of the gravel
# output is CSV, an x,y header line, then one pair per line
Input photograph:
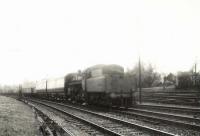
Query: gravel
x,y
72,125
154,124
157,125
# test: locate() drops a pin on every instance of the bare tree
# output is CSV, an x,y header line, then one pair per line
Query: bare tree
x,y
149,75
171,77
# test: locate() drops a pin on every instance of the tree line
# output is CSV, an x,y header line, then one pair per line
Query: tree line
x,y
149,76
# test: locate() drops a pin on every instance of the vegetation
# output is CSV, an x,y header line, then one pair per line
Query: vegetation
x,y
17,119
188,79
149,76
171,78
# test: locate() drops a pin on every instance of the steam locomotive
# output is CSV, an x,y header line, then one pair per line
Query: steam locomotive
x,y
99,84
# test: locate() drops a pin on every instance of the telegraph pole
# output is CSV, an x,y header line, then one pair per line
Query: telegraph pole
x,y
20,91
140,88
195,73
46,87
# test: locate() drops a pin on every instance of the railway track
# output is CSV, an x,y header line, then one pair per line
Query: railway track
x,y
110,125
51,125
180,97
192,102
180,124
169,118
84,127
170,108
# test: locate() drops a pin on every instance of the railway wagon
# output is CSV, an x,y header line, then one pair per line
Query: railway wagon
x,y
51,89
55,88
41,89
28,91
63,88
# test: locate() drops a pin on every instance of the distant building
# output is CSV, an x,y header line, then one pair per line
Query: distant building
x,y
196,79
187,80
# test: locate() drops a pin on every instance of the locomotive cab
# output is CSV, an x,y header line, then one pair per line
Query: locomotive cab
x,y
73,87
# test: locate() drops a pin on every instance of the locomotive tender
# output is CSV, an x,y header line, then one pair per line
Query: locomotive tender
x,y
99,84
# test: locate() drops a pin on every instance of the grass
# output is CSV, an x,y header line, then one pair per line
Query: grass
x,y
17,119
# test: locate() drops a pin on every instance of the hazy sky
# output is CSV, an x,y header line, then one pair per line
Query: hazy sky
x,y
45,38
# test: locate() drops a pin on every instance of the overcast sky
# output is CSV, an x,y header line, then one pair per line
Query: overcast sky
x,y
45,38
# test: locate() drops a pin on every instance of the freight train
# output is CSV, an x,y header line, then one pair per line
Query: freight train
x,y
99,84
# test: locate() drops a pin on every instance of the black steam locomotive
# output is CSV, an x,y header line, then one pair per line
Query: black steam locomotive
x,y
100,84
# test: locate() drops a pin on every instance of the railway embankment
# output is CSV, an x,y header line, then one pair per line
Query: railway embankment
x,y
17,119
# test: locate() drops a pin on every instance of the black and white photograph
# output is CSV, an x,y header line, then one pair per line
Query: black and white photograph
x,y
99,68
